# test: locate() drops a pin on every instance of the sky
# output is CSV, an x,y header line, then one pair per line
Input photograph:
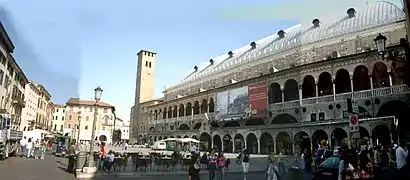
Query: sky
x,y
71,47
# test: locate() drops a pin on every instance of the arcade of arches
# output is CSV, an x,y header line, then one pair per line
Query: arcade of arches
x,y
361,79
286,142
181,110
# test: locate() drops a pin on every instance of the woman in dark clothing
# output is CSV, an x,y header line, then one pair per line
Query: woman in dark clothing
x,y
194,169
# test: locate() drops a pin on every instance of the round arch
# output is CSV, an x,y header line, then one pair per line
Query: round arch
x,y
239,142
267,143
401,111
325,84
301,141
205,141
361,79
183,127
227,143
283,143
275,93
338,135
381,135
252,143
284,119
380,75
319,137
308,87
291,90
217,142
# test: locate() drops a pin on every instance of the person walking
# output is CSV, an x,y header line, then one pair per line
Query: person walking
x,y
71,157
193,171
246,159
29,147
23,149
401,159
212,166
221,160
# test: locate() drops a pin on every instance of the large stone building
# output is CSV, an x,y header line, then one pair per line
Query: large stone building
x,y
57,125
80,113
45,109
289,91
29,114
12,81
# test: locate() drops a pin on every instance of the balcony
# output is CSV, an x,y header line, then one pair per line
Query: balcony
x,y
183,119
379,92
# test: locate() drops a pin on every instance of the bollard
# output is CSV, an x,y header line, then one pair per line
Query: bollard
x,y
80,161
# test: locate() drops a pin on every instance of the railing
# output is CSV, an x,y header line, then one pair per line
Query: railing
x,y
378,92
192,117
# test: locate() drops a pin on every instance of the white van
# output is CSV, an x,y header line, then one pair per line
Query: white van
x,y
160,145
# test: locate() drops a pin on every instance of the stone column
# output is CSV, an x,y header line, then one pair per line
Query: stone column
x,y
391,83
245,144
351,84
371,83
334,89
178,112
317,91
259,146
283,94
300,94
233,145
222,145
200,109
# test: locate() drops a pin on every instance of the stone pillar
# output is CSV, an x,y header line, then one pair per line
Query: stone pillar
x,y
207,107
334,89
317,92
283,94
259,146
371,83
245,144
300,94
233,146
391,83
222,145
274,146
351,84
200,109
177,112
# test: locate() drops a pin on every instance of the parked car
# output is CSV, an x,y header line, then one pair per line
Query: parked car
x,y
328,169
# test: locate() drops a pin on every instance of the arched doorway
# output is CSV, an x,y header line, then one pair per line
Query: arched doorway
x,y
267,143
302,141
319,137
325,84
380,75
217,142
252,143
338,135
228,144
381,135
401,111
239,142
342,81
284,119
116,137
205,141
103,138
283,143
361,79
291,90
275,94
308,87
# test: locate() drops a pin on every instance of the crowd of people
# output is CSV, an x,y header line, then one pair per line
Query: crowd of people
x,y
31,148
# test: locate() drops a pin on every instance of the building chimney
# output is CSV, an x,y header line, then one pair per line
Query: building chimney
x,y
211,61
281,34
195,68
351,12
230,54
316,23
253,45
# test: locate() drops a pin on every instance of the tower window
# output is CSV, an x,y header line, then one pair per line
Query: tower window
x,y
149,64
146,63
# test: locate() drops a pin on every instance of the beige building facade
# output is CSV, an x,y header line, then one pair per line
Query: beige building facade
x,y
12,82
144,91
57,124
29,114
79,116
45,109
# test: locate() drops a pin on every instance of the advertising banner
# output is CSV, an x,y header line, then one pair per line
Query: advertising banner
x,y
232,104
258,100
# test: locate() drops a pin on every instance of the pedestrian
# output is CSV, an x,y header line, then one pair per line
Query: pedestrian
x,y
23,149
272,170
401,159
29,147
246,159
193,172
302,163
71,157
212,166
221,161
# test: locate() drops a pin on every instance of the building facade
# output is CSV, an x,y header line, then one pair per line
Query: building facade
x,y
12,81
289,91
29,114
57,125
45,109
79,119
144,90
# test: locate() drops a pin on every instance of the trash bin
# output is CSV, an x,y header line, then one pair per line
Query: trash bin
x,y
80,161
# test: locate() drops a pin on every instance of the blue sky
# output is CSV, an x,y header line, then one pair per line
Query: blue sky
x,y
73,46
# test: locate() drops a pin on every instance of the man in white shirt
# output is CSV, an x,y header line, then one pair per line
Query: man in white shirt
x,y
401,156
23,143
110,159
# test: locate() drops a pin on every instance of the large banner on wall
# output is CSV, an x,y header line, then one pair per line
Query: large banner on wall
x,y
258,100
231,105
242,103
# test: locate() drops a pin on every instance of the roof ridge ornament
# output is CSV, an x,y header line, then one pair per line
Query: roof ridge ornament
x,y
281,34
230,54
316,23
351,12
253,45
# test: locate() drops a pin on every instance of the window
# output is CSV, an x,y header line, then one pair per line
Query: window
x,y
6,82
69,117
62,127
55,127
91,109
63,111
56,110
146,63
86,127
87,118
62,118
149,64
69,126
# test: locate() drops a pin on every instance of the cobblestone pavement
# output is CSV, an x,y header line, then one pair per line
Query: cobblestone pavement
x,y
50,168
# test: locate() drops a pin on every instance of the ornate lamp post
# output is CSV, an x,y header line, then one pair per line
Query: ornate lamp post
x,y
98,91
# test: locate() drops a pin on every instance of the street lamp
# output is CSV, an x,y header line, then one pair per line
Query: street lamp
x,y
97,92
380,42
